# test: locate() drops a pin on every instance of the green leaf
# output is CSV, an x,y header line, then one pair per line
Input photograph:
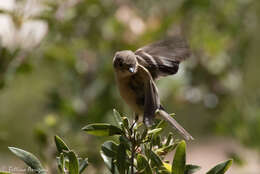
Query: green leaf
x,y
102,129
60,162
172,115
117,117
154,131
166,149
156,140
144,133
143,166
110,149
156,160
121,158
73,163
169,139
29,159
60,144
126,123
189,169
179,161
83,163
220,168
109,162
5,173
162,124
168,168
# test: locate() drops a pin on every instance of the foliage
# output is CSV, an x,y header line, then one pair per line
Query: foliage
x,y
64,79
67,160
137,150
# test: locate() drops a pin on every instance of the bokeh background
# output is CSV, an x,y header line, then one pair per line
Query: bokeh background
x,y
56,74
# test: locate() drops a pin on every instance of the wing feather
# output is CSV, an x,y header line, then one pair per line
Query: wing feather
x,y
152,101
162,58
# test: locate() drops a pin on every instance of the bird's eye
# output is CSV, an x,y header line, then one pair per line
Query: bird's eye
x,y
120,64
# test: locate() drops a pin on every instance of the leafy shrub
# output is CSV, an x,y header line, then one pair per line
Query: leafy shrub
x,y
136,150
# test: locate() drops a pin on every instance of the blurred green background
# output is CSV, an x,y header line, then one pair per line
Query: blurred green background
x,y
56,71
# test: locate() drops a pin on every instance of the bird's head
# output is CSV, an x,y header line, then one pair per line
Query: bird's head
x,y
125,63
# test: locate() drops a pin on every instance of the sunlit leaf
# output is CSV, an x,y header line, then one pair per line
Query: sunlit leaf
x,y
60,144
102,129
154,131
117,117
168,167
179,161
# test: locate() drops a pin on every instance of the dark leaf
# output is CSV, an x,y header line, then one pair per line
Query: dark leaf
x,y
144,133
143,166
110,149
109,162
221,168
125,123
156,160
121,158
189,169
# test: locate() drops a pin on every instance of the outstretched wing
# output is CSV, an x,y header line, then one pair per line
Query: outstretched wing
x,y
162,58
152,101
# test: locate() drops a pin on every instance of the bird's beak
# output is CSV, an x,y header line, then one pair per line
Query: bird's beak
x,y
131,70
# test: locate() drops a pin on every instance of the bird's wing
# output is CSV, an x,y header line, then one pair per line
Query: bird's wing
x,y
162,58
152,101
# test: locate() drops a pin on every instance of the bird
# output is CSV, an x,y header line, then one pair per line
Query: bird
x,y
137,71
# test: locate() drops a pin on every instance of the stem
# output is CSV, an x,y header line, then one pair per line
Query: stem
x,y
132,158
133,148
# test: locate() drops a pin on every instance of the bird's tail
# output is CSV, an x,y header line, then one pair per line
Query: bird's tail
x,y
174,124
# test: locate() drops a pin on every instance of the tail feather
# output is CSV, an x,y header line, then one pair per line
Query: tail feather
x,y
174,124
